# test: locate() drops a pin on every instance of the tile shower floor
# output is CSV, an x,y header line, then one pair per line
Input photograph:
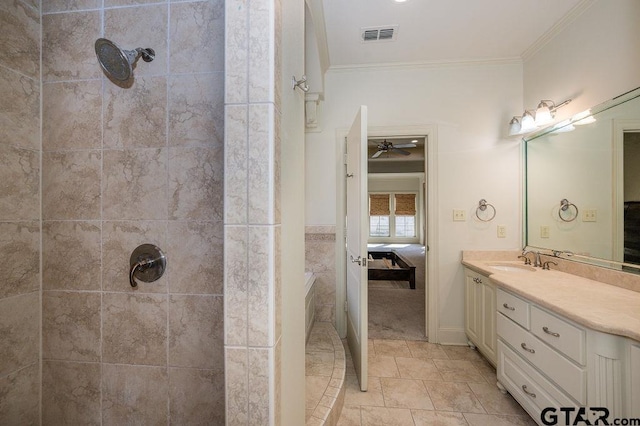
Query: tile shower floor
x,y
421,383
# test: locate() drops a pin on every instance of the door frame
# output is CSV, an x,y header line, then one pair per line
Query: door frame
x,y
431,212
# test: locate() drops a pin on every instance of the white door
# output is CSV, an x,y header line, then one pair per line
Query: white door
x,y
357,222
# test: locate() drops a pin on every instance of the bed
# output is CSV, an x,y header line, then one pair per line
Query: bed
x,y
391,266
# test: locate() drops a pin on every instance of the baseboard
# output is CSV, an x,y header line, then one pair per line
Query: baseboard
x,y
452,336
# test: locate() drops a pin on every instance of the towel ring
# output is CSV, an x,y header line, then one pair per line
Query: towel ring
x,y
482,206
564,206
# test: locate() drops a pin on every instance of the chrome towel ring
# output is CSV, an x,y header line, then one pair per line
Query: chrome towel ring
x,y
565,205
482,206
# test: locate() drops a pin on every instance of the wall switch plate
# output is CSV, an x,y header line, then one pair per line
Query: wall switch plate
x,y
502,231
544,231
590,215
459,215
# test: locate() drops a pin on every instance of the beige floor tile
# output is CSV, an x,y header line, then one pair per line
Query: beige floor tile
x,y
453,397
437,418
319,363
405,393
319,341
315,387
498,420
371,347
458,371
494,401
391,347
418,368
353,395
350,416
383,366
426,350
382,416
462,352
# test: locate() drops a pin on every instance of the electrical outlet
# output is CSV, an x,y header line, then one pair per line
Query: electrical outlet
x,y
590,215
459,215
502,231
544,231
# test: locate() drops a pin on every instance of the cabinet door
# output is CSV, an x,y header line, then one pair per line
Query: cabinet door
x,y
489,339
635,382
472,290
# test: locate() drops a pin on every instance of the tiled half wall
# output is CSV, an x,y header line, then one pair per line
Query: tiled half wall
x,y
320,258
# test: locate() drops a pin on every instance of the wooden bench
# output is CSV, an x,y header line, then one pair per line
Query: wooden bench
x,y
401,269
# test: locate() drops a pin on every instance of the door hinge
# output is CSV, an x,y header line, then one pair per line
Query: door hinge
x,y
346,306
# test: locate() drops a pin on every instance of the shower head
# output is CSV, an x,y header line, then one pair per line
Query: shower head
x,y
118,63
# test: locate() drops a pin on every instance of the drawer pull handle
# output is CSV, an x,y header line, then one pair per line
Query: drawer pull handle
x,y
477,280
511,308
531,394
524,346
546,330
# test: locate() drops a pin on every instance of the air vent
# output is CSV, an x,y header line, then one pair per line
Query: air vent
x,y
385,33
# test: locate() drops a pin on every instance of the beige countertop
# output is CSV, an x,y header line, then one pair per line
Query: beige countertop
x,y
595,305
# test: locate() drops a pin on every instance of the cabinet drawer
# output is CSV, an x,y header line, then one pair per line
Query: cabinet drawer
x,y
570,377
513,307
565,337
529,387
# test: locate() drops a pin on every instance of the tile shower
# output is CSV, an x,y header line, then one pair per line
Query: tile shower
x,y
106,169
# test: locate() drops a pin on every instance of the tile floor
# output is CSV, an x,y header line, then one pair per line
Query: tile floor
x,y
420,383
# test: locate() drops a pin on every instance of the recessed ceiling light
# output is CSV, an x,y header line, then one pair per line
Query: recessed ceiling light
x,y
400,1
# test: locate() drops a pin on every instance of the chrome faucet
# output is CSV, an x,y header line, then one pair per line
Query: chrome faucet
x,y
536,258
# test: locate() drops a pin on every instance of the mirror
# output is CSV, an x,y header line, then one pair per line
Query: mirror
x,y
582,186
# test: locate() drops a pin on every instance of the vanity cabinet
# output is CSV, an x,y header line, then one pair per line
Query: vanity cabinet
x,y
480,313
546,360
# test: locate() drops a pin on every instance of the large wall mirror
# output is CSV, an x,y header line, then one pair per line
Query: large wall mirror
x,y
583,186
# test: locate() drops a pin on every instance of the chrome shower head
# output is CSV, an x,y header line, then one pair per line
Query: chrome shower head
x,y
118,63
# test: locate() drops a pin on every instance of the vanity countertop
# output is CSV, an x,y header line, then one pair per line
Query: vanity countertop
x,y
596,305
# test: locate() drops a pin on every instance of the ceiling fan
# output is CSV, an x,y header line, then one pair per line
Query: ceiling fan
x,y
386,146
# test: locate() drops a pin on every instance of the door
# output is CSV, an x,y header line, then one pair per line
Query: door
x,y
357,227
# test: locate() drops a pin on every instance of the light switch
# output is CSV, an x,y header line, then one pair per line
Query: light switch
x,y
590,215
459,215
502,231
544,231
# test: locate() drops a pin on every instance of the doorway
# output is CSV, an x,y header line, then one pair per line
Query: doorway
x,y
429,234
397,228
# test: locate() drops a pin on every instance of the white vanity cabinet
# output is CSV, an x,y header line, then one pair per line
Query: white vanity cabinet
x,y
480,313
546,360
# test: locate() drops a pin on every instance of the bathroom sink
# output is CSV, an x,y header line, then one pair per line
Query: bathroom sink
x,y
511,267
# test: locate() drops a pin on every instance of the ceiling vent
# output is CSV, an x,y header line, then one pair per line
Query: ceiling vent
x,y
384,33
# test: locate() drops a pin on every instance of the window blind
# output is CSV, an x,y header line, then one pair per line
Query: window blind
x,y
379,205
405,204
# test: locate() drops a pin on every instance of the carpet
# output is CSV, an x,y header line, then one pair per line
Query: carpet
x,y
395,311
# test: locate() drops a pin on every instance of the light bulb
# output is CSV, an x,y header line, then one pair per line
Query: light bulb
x,y
543,114
514,126
527,123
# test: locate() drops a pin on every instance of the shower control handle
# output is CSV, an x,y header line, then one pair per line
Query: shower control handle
x,y
147,263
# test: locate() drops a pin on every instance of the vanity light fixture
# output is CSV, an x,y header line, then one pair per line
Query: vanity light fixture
x,y
530,121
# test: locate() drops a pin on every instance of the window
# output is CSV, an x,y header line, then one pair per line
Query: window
x,y
379,215
397,223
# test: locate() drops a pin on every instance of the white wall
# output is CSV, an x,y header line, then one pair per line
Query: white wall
x,y
470,105
594,59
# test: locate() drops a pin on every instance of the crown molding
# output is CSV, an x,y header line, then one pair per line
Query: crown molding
x,y
557,28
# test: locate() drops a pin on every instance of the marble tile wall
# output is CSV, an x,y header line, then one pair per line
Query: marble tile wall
x,y
252,212
320,255
20,233
123,165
